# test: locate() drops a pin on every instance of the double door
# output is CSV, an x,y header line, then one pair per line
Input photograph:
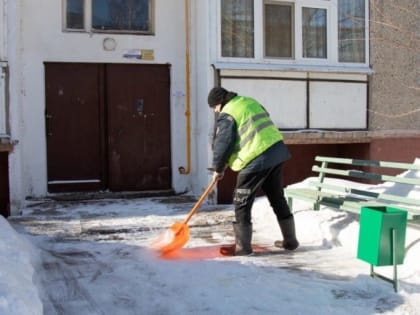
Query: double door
x,y
107,127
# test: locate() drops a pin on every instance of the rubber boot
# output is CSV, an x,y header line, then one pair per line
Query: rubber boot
x,y
242,246
287,227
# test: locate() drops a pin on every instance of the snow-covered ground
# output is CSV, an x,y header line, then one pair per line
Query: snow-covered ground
x,y
93,257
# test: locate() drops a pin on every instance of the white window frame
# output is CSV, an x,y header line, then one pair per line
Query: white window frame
x,y
87,20
297,60
218,5
4,108
299,32
285,3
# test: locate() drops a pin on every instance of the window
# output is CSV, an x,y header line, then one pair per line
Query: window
x,y
121,15
351,30
294,31
110,16
278,30
75,15
237,28
314,33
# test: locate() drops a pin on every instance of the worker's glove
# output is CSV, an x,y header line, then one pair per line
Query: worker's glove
x,y
218,176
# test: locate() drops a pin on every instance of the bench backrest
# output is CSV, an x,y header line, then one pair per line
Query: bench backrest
x,y
380,167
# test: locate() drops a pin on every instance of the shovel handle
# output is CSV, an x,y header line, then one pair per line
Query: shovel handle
x,y
200,201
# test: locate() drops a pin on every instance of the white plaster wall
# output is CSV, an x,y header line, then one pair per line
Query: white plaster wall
x,y
3,30
203,52
200,81
338,105
39,37
13,55
3,65
277,96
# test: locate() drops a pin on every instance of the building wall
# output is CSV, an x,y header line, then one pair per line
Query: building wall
x,y
392,130
3,31
202,80
305,99
36,36
395,49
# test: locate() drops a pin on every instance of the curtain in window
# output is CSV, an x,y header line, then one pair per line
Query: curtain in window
x,y
314,32
237,28
351,30
278,30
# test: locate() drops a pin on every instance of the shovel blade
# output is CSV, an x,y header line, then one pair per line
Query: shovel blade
x,y
174,238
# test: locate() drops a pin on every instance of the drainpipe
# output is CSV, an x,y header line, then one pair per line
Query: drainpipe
x,y
186,170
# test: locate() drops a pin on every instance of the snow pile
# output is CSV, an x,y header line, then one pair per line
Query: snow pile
x,y
18,292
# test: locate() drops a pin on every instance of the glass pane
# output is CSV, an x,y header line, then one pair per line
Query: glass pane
x,y
75,14
237,28
121,15
278,30
314,32
351,31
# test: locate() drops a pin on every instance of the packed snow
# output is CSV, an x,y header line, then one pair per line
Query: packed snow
x,y
94,257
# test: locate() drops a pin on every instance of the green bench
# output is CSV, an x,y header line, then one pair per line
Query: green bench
x,y
349,196
341,195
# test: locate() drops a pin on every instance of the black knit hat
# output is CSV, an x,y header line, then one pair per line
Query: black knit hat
x,y
216,96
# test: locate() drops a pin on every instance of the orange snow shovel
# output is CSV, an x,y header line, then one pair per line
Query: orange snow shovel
x,y
178,234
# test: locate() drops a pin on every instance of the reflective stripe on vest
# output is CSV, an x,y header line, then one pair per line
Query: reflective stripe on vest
x,y
256,130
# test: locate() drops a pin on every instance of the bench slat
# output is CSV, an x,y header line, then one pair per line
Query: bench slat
x,y
366,193
366,175
398,165
343,202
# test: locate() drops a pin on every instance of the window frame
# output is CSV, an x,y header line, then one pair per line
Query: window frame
x,y
87,21
221,37
293,36
64,18
367,35
332,42
326,32
297,60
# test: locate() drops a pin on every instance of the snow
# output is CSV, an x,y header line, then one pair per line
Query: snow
x,y
18,294
95,257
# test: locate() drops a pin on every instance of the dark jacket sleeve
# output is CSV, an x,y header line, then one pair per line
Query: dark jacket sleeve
x,y
224,142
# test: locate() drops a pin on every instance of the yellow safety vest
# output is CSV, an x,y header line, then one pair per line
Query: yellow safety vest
x,y
256,130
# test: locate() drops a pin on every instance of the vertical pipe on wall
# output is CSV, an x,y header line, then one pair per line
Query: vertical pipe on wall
x,y
186,170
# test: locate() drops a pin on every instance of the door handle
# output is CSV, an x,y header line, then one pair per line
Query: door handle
x,y
140,106
47,121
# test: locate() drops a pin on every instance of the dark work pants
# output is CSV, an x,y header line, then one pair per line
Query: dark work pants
x,y
247,186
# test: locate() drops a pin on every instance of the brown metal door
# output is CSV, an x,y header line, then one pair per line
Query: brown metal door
x,y
74,126
138,127
4,184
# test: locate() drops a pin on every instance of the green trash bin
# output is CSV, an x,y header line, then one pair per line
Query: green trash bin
x,y
377,226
